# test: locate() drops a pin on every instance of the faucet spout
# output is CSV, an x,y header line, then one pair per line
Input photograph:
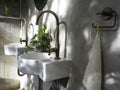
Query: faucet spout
x,y
57,46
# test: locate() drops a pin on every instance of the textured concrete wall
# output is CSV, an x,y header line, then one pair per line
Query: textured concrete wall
x,y
79,15
9,33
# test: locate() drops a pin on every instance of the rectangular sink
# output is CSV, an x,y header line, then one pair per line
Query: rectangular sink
x,y
11,49
41,64
54,69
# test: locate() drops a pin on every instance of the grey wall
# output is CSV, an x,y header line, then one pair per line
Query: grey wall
x,y
79,15
83,15
9,33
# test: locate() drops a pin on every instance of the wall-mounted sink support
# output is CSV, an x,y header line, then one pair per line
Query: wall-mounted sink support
x,y
107,14
56,49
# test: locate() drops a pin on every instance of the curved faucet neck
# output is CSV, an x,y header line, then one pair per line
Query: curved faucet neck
x,y
48,11
57,26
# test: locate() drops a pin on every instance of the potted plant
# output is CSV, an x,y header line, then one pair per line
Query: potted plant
x,y
41,40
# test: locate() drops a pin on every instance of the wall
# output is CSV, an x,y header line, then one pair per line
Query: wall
x,y
79,15
9,33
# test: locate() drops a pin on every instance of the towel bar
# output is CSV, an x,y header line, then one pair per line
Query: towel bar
x,y
109,14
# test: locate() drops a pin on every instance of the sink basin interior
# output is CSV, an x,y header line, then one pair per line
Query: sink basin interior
x,y
41,64
29,63
11,49
32,55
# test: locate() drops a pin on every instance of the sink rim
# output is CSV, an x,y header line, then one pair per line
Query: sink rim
x,y
33,55
45,58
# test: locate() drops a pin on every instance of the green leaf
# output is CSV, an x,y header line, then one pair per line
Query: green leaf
x,y
41,38
44,29
34,37
43,43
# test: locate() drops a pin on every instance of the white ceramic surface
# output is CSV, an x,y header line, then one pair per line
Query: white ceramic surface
x,y
41,64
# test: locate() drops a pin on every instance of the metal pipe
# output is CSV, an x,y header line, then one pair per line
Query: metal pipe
x,y
65,49
112,26
26,40
57,26
19,73
6,17
21,19
30,25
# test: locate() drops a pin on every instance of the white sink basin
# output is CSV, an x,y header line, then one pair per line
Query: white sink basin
x,y
11,49
41,64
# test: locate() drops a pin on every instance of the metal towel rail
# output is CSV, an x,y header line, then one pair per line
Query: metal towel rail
x,y
109,13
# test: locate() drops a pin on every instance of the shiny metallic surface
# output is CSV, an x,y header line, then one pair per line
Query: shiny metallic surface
x,y
35,63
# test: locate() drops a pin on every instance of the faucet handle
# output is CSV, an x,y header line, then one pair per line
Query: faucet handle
x,y
20,40
48,49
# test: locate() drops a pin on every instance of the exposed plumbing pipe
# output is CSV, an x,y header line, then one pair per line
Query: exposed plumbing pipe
x,y
32,26
20,19
25,40
6,17
65,48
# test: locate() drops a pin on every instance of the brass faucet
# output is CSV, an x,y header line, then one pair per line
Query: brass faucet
x,y
56,49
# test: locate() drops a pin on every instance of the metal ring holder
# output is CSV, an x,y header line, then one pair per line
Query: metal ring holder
x,y
107,14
